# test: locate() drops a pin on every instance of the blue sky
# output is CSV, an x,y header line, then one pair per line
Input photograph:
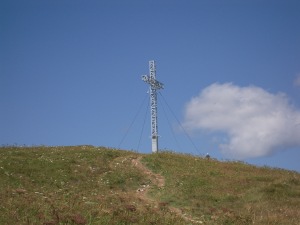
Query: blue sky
x,y
70,71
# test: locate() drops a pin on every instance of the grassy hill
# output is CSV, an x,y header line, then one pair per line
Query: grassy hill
x,y
96,185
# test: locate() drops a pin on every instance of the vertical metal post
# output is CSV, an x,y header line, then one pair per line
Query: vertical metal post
x,y
153,98
154,86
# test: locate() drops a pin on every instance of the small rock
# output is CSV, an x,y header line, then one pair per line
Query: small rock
x,y
20,191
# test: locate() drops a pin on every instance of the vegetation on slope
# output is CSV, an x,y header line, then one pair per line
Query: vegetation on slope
x,y
73,185
227,192
96,185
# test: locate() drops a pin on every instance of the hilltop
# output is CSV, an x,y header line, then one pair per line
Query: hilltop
x,y
97,185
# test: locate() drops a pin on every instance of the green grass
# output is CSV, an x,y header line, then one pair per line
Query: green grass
x,y
227,192
97,185
72,185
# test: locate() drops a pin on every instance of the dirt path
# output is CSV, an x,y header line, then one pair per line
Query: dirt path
x,y
159,181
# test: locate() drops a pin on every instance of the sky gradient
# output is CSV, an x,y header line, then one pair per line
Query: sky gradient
x,y
70,71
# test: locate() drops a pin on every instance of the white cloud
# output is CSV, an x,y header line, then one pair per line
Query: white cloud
x,y
257,122
297,81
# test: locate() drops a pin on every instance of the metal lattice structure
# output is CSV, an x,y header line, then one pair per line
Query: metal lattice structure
x,y
154,86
